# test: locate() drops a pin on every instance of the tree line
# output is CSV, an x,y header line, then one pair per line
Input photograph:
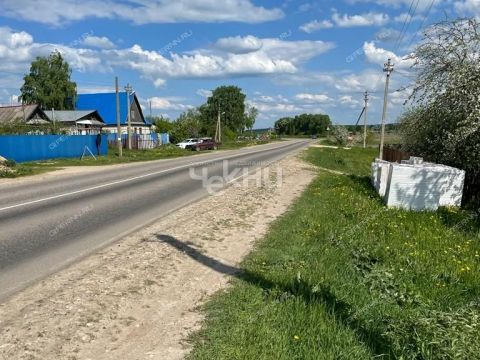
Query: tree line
x,y
305,124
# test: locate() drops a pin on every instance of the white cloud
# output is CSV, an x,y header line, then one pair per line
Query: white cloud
x,y
17,50
343,82
350,101
468,7
239,45
314,98
274,57
367,80
406,17
204,93
88,89
316,25
158,83
399,97
422,4
367,19
57,12
98,42
379,56
168,103
276,108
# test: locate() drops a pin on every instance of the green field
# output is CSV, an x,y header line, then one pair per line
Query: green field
x,y
340,276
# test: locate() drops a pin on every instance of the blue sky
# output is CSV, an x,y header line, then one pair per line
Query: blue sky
x,y
289,57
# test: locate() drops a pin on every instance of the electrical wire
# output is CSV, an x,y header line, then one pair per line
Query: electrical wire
x,y
427,14
407,24
404,23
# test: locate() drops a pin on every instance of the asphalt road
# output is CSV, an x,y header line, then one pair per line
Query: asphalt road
x,y
49,223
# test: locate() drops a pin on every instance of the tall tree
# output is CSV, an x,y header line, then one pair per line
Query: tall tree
x,y
48,83
250,117
444,123
230,101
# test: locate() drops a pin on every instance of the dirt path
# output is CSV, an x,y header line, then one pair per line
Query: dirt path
x,y
139,298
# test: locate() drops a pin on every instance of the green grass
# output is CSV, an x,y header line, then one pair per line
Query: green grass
x,y
353,161
340,276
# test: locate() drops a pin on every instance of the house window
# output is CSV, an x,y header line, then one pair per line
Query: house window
x,y
140,131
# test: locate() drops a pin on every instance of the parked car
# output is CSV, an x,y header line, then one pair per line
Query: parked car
x,y
204,144
185,144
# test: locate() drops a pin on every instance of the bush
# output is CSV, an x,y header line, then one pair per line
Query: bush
x,y
340,134
444,124
10,163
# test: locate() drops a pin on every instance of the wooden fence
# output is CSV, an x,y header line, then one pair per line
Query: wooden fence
x,y
394,155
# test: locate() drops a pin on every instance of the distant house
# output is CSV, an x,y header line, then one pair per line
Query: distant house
x,y
28,114
105,104
78,122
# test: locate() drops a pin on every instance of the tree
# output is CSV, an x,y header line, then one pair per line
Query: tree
x,y
162,125
187,125
281,125
250,117
304,124
229,100
340,134
48,83
443,124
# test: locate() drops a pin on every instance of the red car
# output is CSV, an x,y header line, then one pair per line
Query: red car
x,y
204,144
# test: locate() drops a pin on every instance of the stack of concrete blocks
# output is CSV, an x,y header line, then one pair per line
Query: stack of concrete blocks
x,y
417,185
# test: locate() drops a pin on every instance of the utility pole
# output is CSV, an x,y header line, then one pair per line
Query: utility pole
x,y
218,131
388,68
365,121
128,90
119,126
150,105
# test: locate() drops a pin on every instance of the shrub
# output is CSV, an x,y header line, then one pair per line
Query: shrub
x,y
340,134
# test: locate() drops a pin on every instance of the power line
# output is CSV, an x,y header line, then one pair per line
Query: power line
x,y
407,16
427,14
406,23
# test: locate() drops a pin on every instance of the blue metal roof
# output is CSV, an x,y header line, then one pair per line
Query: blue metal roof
x,y
105,104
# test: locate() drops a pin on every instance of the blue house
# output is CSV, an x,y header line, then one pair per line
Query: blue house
x,y
106,105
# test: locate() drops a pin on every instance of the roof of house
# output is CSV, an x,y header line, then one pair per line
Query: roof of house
x,y
105,104
73,116
20,113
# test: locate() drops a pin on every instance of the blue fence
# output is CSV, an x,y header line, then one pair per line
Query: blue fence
x,y
43,147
